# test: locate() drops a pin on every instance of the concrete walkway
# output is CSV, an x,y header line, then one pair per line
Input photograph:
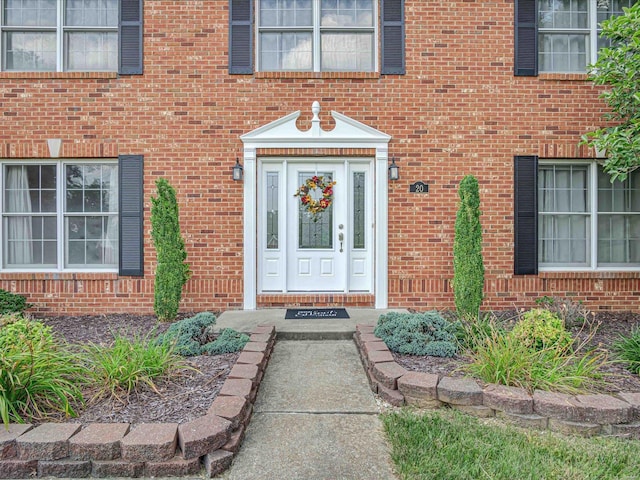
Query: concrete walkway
x,y
315,416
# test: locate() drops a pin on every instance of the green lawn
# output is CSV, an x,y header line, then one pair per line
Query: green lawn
x,y
446,444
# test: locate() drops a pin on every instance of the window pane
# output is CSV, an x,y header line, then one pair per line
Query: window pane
x,y
347,13
91,51
358,210
315,232
272,209
561,52
30,13
95,13
347,52
286,13
285,51
563,14
30,51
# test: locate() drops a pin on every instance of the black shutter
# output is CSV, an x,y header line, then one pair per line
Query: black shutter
x,y
130,184
241,36
130,37
526,38
393,58
526,215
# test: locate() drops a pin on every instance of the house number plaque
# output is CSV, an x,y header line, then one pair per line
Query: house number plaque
x,y
419,187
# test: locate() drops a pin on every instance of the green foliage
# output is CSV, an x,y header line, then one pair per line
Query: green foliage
x,y
446,444
195,336
572,313
475,329
627,349
516,359
539,328
38,374
468,267
13,303
228,341
425,333
172,271
121,368
618,67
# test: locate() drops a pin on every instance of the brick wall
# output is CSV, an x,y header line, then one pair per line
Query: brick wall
x,y
458,110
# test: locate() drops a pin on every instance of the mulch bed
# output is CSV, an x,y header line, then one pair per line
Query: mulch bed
x,y
180,398
611,325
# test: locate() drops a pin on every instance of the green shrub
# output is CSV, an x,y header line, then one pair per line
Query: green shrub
x,y
172,271
425,333
13,303
39,375
128,363
504,358
572,313
539,329
468,267
627,348
196,336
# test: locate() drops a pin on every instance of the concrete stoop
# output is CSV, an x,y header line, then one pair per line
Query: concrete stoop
x,y
152,450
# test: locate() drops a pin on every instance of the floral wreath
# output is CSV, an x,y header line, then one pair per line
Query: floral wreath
x,y
312,206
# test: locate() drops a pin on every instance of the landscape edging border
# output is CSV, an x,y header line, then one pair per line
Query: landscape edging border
x,y
166,449
586,415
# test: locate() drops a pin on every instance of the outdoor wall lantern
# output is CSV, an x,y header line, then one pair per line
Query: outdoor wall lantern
x,y
394,170
237,171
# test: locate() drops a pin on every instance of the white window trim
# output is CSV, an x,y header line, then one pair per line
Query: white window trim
x,y
593,231
316,30
59,214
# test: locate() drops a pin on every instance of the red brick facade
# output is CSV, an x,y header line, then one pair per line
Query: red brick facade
x,y
459,109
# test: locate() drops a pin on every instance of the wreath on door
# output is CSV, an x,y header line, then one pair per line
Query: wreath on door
x,y
315,206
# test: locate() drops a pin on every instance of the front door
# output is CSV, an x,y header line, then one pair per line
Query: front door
x,y
310,246
316,258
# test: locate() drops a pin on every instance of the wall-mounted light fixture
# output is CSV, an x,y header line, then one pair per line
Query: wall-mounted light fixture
x,y
394,170
237,171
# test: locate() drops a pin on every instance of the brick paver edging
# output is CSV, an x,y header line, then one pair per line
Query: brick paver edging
x,y
586,415
151,449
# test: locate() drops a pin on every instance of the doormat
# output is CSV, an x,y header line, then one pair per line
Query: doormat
x,y
315,313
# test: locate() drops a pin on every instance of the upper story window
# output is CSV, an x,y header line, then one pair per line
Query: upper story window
x,y
59,35
569,32
317,35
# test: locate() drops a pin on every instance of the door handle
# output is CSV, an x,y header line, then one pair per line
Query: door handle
x,y
341,239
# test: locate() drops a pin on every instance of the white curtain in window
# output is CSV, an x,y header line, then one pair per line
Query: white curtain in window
x,y
20,245
111,240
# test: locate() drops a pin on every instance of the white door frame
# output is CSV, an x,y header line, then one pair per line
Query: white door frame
x,y
347,134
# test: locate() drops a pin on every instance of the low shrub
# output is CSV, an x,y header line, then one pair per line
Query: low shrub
x,y
13,303
196,336
39,375
425,333
121,368
572,313
504,358
540,329
627,349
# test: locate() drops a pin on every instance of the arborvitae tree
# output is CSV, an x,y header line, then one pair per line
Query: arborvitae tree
x,y
468,268
172,271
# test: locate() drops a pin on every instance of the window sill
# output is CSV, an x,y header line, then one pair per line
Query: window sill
x,y
319,75
564,77
14,275
56,75
591,274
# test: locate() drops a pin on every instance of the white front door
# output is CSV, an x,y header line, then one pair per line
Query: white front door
x,y
329,251
316,258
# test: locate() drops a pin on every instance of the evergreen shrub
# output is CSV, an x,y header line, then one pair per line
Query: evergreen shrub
x,y
539,328
426,333
13,303
468,267
172,271
196,336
